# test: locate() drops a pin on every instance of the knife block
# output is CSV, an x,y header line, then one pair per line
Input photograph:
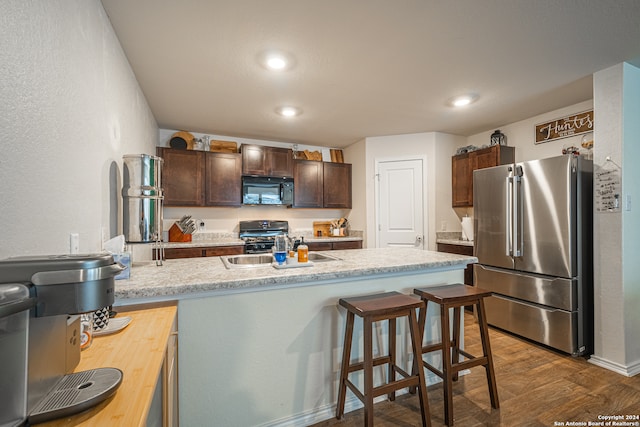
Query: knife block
x,y
176,235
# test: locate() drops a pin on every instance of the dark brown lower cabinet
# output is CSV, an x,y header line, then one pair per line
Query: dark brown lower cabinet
x,y
334,246
460,250
204,251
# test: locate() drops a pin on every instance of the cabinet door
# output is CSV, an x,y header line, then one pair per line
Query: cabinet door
x,y
461,181
223,172
279,162
308,179
267,161
337,185
349,244
253,160
320,246
182,177
224,250
177,253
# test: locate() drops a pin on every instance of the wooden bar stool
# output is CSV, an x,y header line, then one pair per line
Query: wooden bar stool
x,y
373,308
456,296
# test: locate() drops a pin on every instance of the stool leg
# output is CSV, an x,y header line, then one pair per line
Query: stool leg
x,y
344,368
368,372
447,379
392,357
416,342
422,317
486,348
455,344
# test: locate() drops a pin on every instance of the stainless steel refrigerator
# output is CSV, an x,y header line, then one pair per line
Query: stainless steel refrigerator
x,y
533,239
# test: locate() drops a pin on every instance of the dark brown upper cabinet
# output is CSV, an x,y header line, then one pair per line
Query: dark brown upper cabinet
x,y
308,184
337,185
463,165
182,177
261,160
199,178
322,185
223,176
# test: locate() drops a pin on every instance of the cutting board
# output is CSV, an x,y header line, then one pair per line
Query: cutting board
x,y
323,226
223,146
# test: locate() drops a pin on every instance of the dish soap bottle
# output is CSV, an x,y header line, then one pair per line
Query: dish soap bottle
x,y
303,252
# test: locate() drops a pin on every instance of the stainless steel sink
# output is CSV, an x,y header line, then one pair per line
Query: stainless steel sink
x,y
258,260
321,257
246,261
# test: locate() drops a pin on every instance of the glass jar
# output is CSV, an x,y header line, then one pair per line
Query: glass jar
x,y
303,253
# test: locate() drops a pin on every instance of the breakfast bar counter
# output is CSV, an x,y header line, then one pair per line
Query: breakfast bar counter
x,y
262,346
193,277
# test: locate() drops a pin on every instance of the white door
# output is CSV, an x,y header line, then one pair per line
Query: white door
x,y
400,207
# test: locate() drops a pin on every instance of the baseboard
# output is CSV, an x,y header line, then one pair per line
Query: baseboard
x,y
628,371
327,412
322,413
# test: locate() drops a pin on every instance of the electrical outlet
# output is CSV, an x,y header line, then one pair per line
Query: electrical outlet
x,y
74,243
443,226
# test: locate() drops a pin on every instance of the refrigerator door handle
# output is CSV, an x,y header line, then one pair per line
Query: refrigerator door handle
x,y
509,210
517,217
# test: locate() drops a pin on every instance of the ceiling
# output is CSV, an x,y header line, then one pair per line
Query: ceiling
x,y
368,67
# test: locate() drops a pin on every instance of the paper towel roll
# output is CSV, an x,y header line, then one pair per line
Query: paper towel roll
x,y
467,228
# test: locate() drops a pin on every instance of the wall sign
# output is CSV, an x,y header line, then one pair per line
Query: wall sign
x,y
564,127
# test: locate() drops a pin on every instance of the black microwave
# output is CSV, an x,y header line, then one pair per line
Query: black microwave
x,y
260,190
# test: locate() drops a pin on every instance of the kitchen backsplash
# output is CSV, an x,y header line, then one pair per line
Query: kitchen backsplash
x,y
448,235
307,233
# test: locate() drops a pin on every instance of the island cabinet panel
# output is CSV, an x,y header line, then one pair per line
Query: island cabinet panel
x,y
223,172
337,185
463,165
182,177
267,161
308,178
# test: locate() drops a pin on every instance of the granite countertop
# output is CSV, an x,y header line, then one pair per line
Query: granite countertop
x,y
182,278
231,241
332,239
459,242
205,243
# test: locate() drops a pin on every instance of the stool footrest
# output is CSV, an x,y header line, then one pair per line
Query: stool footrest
x,y
358,366
468,364
395,385
355,390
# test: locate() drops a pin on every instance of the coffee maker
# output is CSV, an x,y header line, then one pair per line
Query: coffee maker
x,y
40,300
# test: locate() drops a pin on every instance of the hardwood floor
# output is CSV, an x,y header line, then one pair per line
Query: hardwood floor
x,y
536,387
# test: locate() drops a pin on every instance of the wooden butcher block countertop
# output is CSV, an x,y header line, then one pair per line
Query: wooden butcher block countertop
x,y
138,351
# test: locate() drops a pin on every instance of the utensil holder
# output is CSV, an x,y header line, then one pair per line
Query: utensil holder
x,y
176,235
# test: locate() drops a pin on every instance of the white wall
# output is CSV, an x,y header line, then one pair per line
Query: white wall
x,y
522,134
616,246
71,107
437,148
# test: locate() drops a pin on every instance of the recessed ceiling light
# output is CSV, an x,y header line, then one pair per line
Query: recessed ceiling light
x,y
463,100
276,63
276,60
289,111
